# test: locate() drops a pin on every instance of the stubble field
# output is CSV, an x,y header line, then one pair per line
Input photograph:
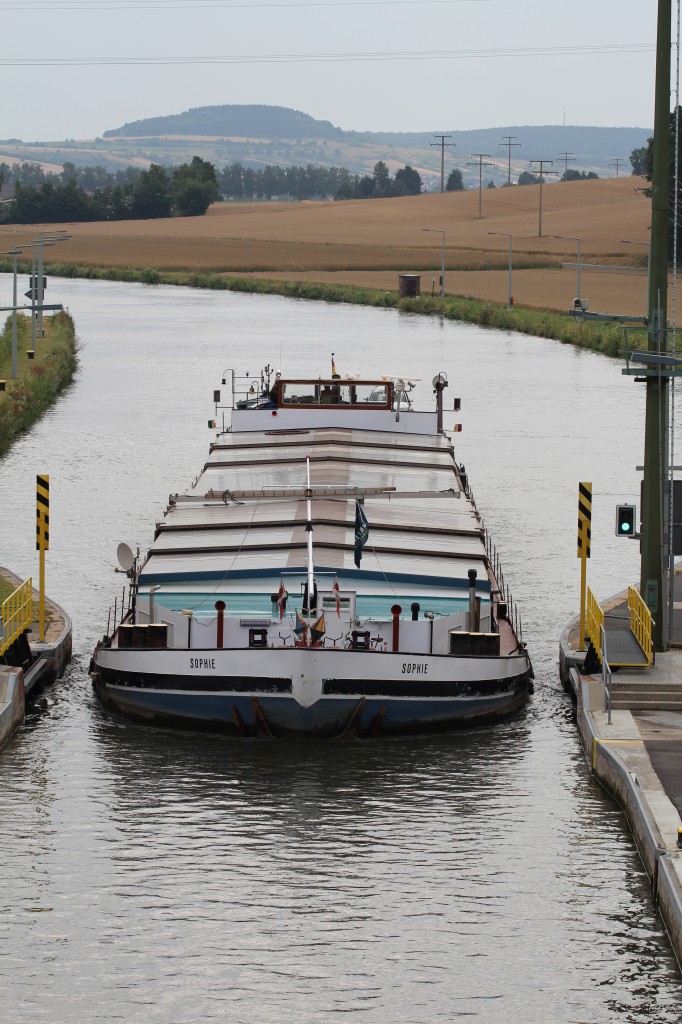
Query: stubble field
x,y
367,243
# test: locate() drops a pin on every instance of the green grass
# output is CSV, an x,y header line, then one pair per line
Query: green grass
x,y
599,337
39,381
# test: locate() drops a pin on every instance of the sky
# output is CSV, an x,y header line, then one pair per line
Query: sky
x,y
76,68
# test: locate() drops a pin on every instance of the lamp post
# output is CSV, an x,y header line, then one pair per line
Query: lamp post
x,y
45,238
633,241
14,253
441,232
572,238
506,234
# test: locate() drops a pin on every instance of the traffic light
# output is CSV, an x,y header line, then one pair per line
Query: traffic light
x,y
626,520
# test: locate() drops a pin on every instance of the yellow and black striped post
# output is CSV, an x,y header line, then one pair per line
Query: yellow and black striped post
x,y
42,541
584,543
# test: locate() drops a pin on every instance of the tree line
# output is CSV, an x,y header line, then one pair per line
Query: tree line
x,y
184,191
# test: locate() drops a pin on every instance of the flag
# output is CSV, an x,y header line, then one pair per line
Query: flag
x,y
317,630
337,596
282,595
361,532
333,366
300,625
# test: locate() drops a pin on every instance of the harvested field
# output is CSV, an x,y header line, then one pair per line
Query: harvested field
x,y
368,242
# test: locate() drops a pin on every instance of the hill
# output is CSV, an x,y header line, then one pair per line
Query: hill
x,y
258,135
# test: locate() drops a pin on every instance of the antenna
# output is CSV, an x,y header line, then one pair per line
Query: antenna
x,y
125,556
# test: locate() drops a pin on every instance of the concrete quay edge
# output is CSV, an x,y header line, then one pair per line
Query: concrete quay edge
x,y
619,760
50,661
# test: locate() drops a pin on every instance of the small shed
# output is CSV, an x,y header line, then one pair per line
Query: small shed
x,y
409,286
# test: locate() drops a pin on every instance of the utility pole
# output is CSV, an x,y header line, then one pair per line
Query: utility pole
x,y
617,162
442,145
656,454
542,172
508,141
567,159
481,164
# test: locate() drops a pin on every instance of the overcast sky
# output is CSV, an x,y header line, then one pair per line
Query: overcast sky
x,y
402,65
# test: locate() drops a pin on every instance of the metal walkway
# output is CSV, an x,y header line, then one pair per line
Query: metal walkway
x,y
621,644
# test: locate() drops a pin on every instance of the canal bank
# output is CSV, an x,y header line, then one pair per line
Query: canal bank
x,y
33,664
632,739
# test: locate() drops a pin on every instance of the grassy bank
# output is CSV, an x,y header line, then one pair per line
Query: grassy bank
x,y
599,337
39,380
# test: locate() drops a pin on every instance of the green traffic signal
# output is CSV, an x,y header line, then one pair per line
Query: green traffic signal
x,y
626,520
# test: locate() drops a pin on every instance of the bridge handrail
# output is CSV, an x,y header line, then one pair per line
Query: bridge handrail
x,y
641,623
16,614
594,622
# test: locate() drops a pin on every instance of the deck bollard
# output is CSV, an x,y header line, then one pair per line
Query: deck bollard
x,y
220,608
395,612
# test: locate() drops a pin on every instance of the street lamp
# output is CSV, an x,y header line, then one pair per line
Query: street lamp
x,y
633,241
506,234
572,238
441,232
14,253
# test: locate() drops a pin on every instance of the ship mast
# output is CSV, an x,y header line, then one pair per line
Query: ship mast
x,y
309,530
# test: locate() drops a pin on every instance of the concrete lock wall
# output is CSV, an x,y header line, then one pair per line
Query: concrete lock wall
x,y
12,701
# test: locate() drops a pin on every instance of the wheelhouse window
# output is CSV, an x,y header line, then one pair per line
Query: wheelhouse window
x,y
345,394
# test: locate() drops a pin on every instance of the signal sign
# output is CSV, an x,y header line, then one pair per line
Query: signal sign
x,y
42,512
626,520
584,519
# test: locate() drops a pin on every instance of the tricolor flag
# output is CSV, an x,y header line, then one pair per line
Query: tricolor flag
x,y
282,595
333,366
337,596
361,532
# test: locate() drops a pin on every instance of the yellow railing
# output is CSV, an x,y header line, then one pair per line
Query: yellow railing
x,y
16,614
594,621
640,623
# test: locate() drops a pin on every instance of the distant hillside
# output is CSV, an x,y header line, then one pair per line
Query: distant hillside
x,y
259,135
246,121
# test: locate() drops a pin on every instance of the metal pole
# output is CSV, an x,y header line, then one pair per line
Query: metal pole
x,y
14,321
33,297
572,238
441,232
40,290
656,417
442,266
507,234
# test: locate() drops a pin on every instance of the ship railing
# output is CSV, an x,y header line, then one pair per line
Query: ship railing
x,y
16,614
504,591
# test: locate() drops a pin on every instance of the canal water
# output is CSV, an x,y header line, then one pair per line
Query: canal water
x,y
148,875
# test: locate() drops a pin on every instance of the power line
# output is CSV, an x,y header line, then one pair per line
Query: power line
x,y
617,162
170,5
442,145
303,58
542,172
567,158
481,164
508,141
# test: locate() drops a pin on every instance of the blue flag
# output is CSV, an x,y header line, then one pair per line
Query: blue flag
x,y
361,532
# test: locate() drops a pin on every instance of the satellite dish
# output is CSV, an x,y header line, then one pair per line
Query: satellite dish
x,y
126,558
